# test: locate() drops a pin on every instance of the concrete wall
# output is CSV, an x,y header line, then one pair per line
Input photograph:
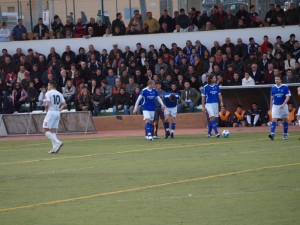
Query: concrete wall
x,y
206,37
183,120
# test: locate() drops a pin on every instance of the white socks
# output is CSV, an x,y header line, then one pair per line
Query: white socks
x,y
52,137
256,118
248,119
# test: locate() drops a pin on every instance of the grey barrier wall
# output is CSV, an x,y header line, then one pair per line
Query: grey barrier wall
x,y
32,123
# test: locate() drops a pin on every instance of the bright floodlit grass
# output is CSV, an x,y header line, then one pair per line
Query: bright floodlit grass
x,y
245,179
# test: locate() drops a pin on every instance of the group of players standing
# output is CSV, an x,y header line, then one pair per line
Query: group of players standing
x,y
150,97
211,96
211,99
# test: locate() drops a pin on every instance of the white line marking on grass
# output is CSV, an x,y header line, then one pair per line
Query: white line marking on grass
x,y
157,148
66,141
149,187
198,196
288,147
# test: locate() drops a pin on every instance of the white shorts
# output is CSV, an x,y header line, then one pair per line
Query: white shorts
x,y
212,109
278,113
171,111
51,120
148,115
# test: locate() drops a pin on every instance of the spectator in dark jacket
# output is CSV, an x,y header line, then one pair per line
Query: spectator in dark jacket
x,y
182,19
229,21
57,25
40,28
98,100
122,101
118,22
242,14
256,74
292,15
165,18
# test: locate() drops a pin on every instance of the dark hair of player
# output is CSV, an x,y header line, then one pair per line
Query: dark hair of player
x,y
210,78
278,75
52,83
172,97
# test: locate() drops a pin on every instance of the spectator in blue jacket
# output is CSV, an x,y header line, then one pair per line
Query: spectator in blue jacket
x,y
19,30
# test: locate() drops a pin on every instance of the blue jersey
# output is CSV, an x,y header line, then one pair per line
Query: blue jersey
x,y
149,97
168,103
211,93
279,94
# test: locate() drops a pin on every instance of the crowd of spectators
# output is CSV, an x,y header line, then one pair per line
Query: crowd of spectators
x,y
100,79
193,21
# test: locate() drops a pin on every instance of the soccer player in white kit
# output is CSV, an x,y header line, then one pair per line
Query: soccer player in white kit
x,y
280,95
55,103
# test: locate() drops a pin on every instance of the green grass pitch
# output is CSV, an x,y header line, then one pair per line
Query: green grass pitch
x,y
245,179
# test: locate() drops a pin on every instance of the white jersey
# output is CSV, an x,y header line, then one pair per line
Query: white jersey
x,y
55,100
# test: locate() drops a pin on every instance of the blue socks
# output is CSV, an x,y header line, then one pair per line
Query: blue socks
x,y
148,127
167,125
285,128
273,127
173,126
209,128
214,126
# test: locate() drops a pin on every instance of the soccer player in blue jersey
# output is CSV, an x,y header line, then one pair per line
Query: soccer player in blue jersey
x,y
171,100
149,95
280,95
211,96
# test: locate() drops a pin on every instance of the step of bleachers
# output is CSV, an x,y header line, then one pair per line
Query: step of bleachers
x,y
135,122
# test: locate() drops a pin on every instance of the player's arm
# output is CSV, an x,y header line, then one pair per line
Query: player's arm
x,y
63,106
47,102
137,103
220,99
203,103
287,98
160,102
271,102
